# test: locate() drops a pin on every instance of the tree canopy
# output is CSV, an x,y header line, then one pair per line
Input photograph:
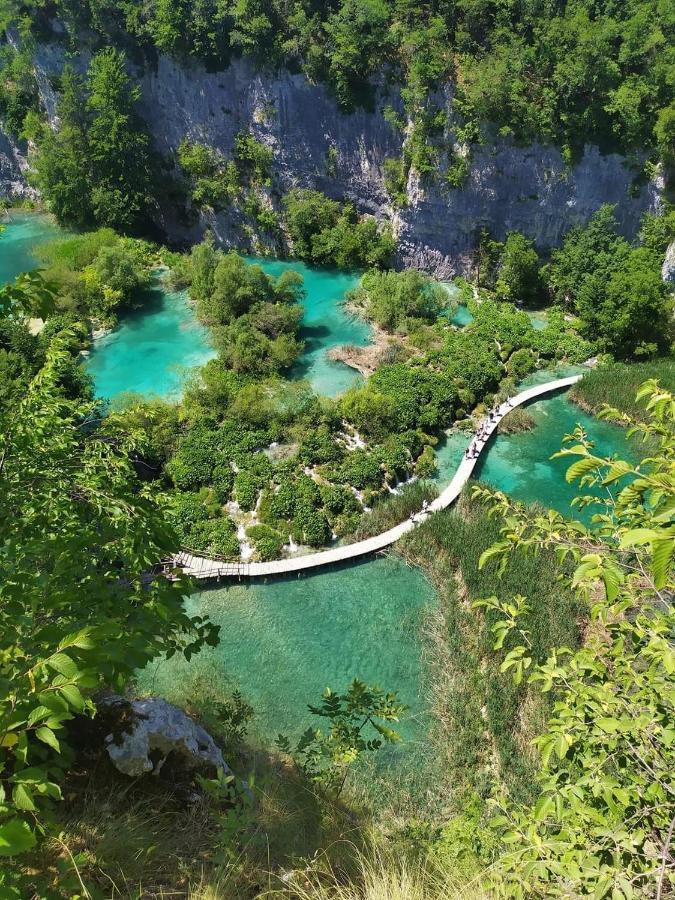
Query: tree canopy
x,y
95,168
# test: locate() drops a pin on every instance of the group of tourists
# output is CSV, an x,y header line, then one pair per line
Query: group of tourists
x,y
483,431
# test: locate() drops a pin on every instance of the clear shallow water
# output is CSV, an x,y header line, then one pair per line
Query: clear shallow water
x,y
461,316
284,641
156,345
325,324
538,318
520,464
153,348
23,232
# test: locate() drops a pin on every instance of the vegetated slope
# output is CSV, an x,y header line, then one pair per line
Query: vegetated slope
x,y
396,109
616,385
567,73
484,722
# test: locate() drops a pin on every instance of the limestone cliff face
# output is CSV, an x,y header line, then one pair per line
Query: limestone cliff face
x,y
13,169
508,188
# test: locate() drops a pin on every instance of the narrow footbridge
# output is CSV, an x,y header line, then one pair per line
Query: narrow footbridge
x,y
200,567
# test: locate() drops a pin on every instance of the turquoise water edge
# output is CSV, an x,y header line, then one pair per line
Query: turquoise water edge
x,y
283,641
155,347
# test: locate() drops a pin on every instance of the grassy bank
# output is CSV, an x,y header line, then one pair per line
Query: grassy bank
x,y
484,722
394,509
617,384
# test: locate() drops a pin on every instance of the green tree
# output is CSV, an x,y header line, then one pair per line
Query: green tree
x,y
359,723
327,232
657,231
397,300
631,312
518,276
358,34
308,213
62,164
664,130
118,147
603,823
585,250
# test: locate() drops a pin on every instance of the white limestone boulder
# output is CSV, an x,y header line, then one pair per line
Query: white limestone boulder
x,y
153,729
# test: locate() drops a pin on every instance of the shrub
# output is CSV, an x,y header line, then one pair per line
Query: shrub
x,y
267,541
246,490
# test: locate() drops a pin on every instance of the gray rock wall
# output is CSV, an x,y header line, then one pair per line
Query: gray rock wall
x,y
13,169
508,188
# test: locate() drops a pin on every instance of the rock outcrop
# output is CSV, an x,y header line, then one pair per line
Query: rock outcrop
x,y
13,168
508,188
150,730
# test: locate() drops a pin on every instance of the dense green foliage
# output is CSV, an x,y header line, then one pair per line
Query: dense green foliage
x,y
78,536
615,289
19,102
96,168
603,822
97,274
324,231
518,276
254,318
397,300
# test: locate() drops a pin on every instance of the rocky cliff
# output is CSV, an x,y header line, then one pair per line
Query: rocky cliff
x,y
509,188
13,170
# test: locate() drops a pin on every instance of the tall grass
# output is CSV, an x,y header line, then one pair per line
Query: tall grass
x,y
617,384
381,876
394,508
485,722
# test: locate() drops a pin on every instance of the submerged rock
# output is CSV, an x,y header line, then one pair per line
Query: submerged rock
x,y
152,729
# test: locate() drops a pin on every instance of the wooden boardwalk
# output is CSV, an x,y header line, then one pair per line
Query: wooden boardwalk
x,y
202,568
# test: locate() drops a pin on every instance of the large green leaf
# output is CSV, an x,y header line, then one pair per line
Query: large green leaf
x,y
15,837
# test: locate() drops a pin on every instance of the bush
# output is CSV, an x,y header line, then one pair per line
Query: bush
x,y
310,525
521,363
326,232
216,537
425,466
397,300
267,541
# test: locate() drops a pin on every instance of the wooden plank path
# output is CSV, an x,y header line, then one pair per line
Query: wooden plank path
x,y
203,568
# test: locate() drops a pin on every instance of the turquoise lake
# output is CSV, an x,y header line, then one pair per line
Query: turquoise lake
x,y
23,232
152,350
283,641
325,324
154,347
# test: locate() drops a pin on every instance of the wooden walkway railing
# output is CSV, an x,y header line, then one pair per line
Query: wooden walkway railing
x,y
203,568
